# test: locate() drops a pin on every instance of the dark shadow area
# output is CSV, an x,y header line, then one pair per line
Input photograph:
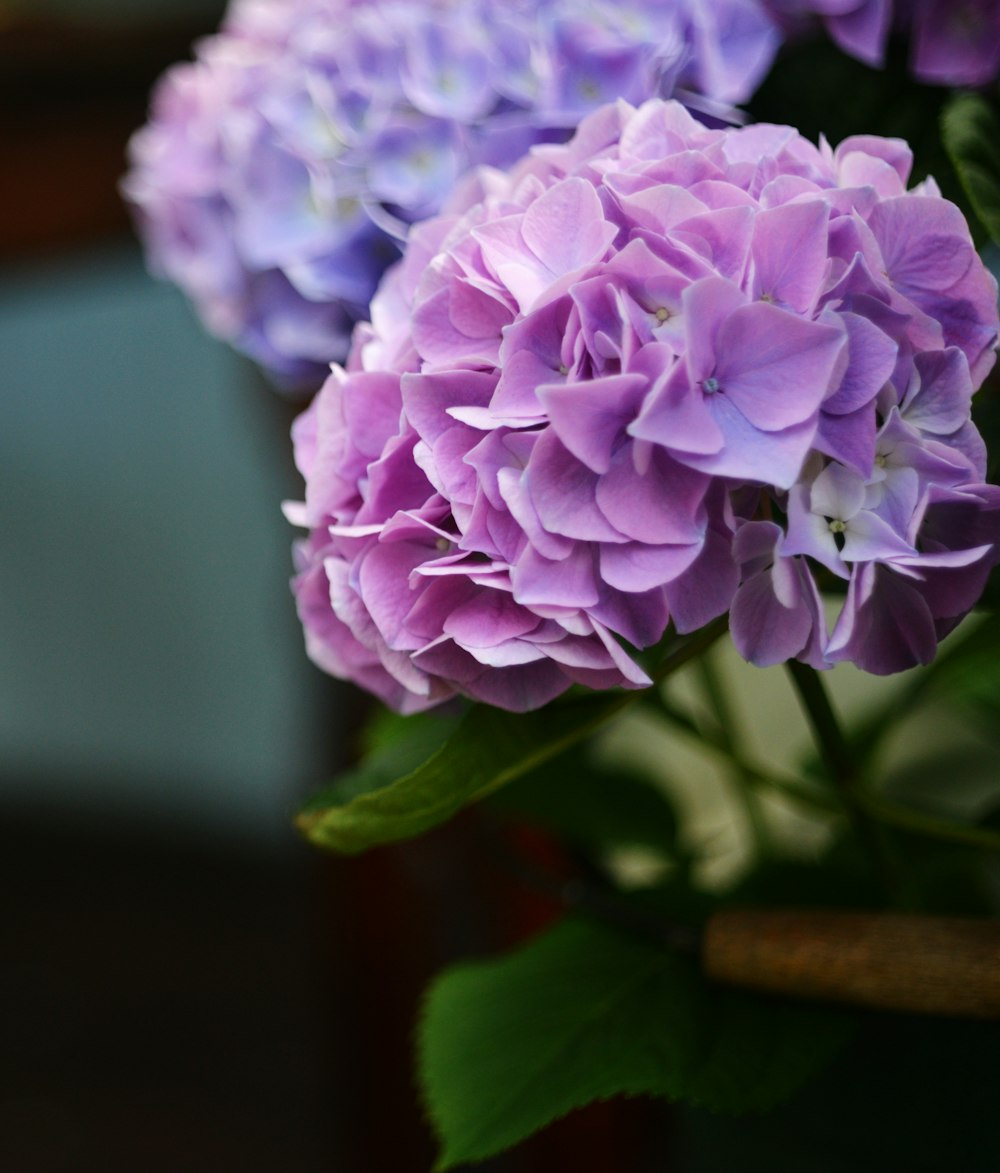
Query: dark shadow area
x,y
71,92
163,1008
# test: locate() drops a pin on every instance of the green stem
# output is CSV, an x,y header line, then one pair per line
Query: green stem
x,y
794,788
833,745
927,826
798,791
844,773
689,646
728,740
882,810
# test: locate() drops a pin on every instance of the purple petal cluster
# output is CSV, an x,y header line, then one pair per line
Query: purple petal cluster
x,y
656,374
280,169
952,42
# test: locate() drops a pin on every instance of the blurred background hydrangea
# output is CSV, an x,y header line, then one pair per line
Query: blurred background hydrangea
x,y
280,169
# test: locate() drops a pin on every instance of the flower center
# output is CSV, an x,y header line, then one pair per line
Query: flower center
x,y
663,314
839,529
710,385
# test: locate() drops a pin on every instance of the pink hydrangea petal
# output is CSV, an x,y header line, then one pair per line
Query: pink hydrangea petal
x,y
488,618
565,228
678,417
871,359
563,490
722,238
440,338
637,567
634,504
924,242
790,255
862,30
590,417
706,589
885,624
941,394
708,304
774,458
766,628
776,368
570,582
849,438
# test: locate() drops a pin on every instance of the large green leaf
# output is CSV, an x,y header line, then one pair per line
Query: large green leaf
x,y
583,1013
488,749
970,126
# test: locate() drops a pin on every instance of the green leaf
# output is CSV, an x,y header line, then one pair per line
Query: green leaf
x,y
489,748
402,743
392,746
958,782
970,126
967,675
591,805
583,1013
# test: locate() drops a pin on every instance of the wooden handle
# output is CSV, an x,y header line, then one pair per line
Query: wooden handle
x,y
889,961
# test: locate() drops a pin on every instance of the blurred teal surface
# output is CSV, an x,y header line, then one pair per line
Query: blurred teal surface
x,y
150,660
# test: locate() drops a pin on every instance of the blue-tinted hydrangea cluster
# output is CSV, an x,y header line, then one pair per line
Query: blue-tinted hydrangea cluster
x,y
280,169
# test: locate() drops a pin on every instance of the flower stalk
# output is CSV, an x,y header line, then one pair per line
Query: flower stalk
x,y
846,776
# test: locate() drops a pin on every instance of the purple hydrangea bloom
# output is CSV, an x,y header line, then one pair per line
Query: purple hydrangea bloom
x,y
653,375
279,170
952,42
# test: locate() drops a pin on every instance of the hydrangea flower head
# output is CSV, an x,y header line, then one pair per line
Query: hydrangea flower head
x,y
656,374
280,169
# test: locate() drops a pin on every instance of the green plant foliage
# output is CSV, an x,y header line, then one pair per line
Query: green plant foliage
x,y
965,674
838,879
592,806
389,798
391,747
488,749
970,128
400,743
909,1095
961,783
585,1012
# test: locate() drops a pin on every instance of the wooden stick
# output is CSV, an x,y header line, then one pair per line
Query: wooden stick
x,y
887,961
